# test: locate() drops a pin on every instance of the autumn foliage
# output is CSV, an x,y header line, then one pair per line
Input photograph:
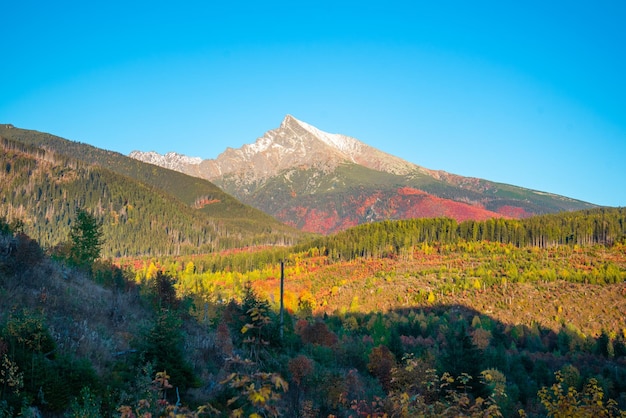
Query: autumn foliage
x,y
318,333
444,327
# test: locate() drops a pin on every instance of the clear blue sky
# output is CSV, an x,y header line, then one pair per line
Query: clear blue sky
x,y
531,93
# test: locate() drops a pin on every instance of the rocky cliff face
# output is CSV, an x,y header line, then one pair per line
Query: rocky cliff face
x,y
324,182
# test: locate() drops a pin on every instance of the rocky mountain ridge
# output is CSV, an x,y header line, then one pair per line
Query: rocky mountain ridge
x,y
323,182
293,144
171,160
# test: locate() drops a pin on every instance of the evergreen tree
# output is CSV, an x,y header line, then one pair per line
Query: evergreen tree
x,y
162,345
462,357
86,239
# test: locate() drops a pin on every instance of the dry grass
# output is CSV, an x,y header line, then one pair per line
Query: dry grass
x,y
84,319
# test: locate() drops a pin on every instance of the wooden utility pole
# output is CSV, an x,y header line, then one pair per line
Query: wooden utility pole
x,y
282,292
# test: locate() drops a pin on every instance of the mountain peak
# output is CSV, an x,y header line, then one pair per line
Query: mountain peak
x,y
294,144
289,120
347,145
324,182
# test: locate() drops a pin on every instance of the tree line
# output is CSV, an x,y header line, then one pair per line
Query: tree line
x,y
603,226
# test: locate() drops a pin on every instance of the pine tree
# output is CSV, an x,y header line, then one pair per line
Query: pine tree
x,y
461,356
86,239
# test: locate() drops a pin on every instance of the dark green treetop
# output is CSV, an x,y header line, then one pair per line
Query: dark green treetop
x,y
85,238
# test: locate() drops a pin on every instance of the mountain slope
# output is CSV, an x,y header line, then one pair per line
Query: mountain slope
x,y
145,210
188,189
325,182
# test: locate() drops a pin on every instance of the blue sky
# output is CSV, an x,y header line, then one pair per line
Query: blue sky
x,y
528,93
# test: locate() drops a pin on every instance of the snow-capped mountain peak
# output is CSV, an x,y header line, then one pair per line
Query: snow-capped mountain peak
x,y
295,144
342,143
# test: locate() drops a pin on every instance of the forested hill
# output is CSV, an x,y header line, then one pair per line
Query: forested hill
x,y
190,190
43,188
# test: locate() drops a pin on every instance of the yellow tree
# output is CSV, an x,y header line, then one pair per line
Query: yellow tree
x,y
561,401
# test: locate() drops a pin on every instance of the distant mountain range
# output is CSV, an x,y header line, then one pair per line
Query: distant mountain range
x,y
323,183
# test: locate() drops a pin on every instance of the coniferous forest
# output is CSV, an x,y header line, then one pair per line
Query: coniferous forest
x,y
430,317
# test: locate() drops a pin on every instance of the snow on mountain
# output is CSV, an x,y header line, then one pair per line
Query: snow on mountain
x,y
343,143
171,160
294,144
